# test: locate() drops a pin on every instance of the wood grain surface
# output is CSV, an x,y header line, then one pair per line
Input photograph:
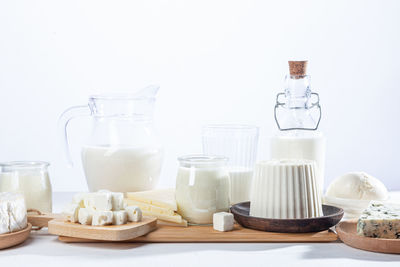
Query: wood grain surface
x,y
206,234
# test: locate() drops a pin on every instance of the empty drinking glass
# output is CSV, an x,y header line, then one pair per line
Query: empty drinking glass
x,y
239,144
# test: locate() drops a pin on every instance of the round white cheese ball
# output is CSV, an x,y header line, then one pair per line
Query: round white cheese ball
x,y
357,185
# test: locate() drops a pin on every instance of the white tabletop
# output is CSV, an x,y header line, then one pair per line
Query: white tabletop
x,y
44,249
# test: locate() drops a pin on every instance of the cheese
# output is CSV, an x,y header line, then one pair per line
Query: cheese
x,y
13,216
120,217
380,220
223,221
117,200
149,207
184,223
78,199
102,218
176,218
85,216
101,201
71,212
163,198
134,213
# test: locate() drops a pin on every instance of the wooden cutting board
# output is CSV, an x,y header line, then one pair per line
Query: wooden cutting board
x,y
173,234
106,233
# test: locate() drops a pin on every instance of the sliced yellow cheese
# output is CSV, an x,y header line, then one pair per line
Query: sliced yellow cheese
x,y
182,224
163,198
176,218
149,207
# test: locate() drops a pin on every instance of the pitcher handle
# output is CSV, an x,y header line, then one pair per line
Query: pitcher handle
x,y
66,116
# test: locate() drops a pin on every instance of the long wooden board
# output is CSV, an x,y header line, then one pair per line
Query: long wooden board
x,y
206,234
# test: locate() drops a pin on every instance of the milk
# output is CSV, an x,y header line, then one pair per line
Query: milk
x,y
240,183
200,192
300,147
121,168
34,185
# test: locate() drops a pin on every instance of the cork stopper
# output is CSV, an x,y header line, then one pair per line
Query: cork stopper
x,y
298,68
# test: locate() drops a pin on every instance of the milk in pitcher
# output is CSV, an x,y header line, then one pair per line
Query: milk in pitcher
x,y
120,168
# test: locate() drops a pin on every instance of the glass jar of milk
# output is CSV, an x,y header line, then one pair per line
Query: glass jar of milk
x,y
30,178
297,115
202,187
123,152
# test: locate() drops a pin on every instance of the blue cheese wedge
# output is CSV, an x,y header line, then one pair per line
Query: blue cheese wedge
x,y
380,220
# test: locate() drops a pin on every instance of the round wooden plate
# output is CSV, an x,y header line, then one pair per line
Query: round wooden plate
x,y
347,231
15,238
332,216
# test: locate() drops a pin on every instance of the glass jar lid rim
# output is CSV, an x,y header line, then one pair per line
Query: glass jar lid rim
x,y
24,164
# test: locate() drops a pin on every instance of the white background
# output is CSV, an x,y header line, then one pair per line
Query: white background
x,y
216,62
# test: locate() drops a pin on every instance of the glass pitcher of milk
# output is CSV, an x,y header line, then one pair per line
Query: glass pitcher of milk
x,y
297,115
123,152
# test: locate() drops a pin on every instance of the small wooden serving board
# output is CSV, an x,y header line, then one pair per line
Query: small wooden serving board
x,y
206,234
106,233
347,231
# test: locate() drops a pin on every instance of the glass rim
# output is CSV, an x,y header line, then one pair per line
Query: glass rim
x,y
229,126
202,159
119,97
24,164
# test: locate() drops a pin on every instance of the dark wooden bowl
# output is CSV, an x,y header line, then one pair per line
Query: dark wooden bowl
x,y
332,216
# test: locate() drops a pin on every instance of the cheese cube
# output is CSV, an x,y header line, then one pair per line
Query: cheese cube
x,y
98,201
223,221
120,217
134,213
71,212
117,201
102,218
380,220
85,216
79,199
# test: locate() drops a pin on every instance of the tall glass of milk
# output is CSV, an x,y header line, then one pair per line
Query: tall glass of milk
x,y
298,114
123,152
239,144
202,187
31,179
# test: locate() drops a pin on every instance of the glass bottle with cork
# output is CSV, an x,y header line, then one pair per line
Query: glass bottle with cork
x,y
297,115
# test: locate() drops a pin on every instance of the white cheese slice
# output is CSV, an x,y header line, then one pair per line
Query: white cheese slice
x,y
120,217
164,198
149,207
176,218
102,218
